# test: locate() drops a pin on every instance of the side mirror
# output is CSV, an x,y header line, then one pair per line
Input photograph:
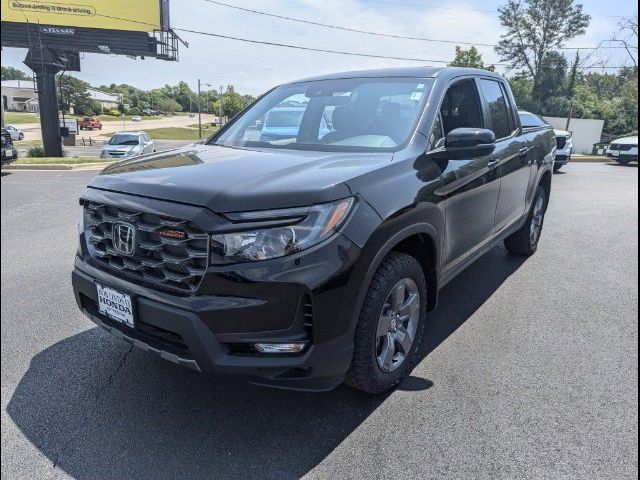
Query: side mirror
x,y
467,143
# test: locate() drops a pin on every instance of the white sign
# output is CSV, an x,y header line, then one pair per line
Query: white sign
x,y
70,123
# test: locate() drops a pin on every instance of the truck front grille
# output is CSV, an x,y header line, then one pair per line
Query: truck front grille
x,y
561,141
177,260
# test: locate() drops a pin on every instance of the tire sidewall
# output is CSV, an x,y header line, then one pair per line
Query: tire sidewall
x,y
414,272
539,193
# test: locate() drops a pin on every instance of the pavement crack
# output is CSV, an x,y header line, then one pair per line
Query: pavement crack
x,y
87,416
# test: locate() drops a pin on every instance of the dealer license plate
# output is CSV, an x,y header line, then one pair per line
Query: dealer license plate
x,y
115,305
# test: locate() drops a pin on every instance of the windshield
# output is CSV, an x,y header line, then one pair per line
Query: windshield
x,y
356,114
124,140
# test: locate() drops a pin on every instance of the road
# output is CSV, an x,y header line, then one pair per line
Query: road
x,y
32,130
531,372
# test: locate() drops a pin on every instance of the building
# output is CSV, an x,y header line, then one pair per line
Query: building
x,y
21,96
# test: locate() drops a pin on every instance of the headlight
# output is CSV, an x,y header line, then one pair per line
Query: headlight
x,y
300,229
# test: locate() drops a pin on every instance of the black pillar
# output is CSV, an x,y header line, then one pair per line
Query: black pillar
x,y
49,120
46,63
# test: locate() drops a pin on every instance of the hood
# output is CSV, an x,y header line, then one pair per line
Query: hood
x,y
562,133
626,141
231,179
119,148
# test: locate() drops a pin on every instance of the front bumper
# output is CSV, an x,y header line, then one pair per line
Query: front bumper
x,y
624,156
263,303
563,156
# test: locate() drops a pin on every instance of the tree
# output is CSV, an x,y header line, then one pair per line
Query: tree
x,y
629,40
73,93
232,102
534,28
470,58
10,73
167,105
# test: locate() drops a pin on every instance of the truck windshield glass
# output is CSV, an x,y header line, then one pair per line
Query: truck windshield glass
x,y
357,114
124,140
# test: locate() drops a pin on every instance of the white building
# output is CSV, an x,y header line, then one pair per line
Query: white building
x,y
22,96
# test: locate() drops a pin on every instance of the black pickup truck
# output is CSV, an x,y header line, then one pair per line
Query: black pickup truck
x,y
314,257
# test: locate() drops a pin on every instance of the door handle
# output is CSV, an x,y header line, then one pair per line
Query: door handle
x,y
493,163
523,151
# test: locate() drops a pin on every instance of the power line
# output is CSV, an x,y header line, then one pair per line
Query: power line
x,y
379,34
354,54
415,5
322,50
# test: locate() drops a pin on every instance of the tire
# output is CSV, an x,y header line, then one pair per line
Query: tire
x,y
524,241
556,168
382,355
21,136
624,163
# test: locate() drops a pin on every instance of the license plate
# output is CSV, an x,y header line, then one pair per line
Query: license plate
x,y
115,305
8,153
615,153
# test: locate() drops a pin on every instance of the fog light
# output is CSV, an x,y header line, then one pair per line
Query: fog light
x,y
279,347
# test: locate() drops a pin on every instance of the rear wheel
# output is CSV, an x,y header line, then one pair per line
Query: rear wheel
x,y
525,241
389,332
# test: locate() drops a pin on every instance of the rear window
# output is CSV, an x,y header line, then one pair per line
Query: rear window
x,y
498,108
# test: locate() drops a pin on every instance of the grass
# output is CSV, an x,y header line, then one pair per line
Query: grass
x,y
60,160
176,133
16,118
126,118
28,143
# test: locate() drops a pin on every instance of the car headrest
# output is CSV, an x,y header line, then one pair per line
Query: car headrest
x,y
341,118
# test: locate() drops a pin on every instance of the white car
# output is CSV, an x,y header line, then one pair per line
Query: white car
x,y
564,150
136,118
127,145
624,150
16,133
564,142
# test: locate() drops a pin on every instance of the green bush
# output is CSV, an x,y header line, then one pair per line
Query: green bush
x,y
114,112
36,151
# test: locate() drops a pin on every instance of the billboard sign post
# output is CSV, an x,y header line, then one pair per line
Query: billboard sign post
x,y
57,31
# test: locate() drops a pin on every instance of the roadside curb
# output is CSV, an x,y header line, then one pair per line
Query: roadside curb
x,y
58,166
590,159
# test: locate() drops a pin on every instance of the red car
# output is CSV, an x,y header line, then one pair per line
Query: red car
x,y
89,123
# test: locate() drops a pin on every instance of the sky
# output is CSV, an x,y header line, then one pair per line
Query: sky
x,y
253,69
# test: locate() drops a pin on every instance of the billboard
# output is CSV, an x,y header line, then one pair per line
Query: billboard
x,y
127,15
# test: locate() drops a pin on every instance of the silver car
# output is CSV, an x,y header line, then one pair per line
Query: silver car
x,y
16,133
127,145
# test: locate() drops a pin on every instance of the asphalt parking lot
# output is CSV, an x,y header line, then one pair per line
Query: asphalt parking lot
x,y
532,370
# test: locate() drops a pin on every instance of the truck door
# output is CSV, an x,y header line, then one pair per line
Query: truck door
x,y
471,186
512,152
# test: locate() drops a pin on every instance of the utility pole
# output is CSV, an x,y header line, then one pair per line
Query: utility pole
x,y
199,112
220,109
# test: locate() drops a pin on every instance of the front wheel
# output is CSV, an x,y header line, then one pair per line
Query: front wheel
x,y
622,162
557,167
525,241
21,136
389,333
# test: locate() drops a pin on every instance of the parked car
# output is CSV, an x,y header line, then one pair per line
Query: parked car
x,y
9,152
306,262
624,150
16,133
564,141
89,123
283,123
127,144
136,118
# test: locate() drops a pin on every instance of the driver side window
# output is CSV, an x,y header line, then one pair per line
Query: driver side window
x,y
461,107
